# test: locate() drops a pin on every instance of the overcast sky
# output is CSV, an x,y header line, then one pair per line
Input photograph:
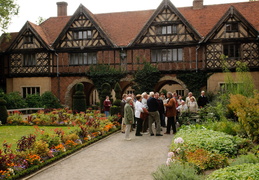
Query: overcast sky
x,y
31,10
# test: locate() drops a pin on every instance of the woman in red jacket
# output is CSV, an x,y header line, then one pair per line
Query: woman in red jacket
x,y
107,104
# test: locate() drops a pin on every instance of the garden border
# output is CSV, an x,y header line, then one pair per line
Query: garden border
x,y
34,170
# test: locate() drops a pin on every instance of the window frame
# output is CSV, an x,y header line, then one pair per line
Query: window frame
x,y
29,60
82,34
171,29
28,39
232,49
26,90
172,55
232,27
81,59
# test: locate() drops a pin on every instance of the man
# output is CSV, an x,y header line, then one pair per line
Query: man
x,y
187,100
145,120
153,115
170,113
202,100
128,117
161,109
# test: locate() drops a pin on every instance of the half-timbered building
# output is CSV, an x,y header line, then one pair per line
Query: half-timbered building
x,y
55,55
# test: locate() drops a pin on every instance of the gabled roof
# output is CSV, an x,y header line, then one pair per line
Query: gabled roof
x,y
37,32
231,12
162,6
203,20
91,17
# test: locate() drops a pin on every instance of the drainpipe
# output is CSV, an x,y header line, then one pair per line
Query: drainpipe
x,y
197,48
58,76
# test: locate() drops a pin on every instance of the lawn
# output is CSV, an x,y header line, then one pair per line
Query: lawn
x,y
11,134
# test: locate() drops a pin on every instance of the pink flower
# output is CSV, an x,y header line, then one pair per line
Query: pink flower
x,y
178,150
168,161
179,140
170,154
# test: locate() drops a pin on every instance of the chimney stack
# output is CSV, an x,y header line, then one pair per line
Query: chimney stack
x,y
197,4
62,8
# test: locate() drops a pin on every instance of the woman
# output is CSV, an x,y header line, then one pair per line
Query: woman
x,y
138,110
193,106
128,117
170,113
107,105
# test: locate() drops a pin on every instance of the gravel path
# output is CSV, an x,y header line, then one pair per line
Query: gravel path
x,y
112,159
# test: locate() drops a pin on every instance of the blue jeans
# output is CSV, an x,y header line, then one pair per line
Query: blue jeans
x,y
106,113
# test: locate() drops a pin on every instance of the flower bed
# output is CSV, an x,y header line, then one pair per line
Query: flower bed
x,y
41,148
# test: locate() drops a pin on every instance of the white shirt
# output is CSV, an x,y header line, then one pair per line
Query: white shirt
x,y
138,109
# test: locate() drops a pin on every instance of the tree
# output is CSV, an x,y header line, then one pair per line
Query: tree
x,y
8,8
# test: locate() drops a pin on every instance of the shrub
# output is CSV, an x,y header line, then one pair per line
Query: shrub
x,y
41,148
14,101
51,140
249,158
213,141
246,108
49,100
117,90
3,110
79,102
176,171
244,171
115,110
33,101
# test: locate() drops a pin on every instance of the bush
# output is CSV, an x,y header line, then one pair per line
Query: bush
x,y
249,158
34,101
244,171
49,100
176,171
79,102
213,141
115,110
15,101
3,110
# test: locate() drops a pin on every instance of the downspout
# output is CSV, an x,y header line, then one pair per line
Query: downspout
x,y
58,76
197,48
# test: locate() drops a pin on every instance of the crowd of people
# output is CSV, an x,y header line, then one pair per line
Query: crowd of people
x,y
140,112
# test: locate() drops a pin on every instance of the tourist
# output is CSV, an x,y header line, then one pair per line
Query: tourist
x,y
193,106
202,100
123,102
107,105
179,100
187,100
128,117
145,118
153,115
182,108
161,109
138,110
170,113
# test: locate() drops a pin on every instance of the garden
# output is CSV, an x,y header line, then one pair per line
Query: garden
x,y
222,143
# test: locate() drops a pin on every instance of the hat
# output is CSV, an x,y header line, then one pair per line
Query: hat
x,y
128,99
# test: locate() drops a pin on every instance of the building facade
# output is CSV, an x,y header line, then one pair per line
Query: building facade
x,y
55,55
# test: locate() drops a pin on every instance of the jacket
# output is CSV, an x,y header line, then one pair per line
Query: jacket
x,y
170,108
128,114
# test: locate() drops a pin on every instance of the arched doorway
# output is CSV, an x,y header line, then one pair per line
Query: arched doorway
x,y
89,90
172,84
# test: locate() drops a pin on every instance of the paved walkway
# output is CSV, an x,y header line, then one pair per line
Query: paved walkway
x,y
112,159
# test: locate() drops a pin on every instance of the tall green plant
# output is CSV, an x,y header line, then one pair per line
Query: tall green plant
x,y
146,78
3,110
79,102
49,100
15,101
34,101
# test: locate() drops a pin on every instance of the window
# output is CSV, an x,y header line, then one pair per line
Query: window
x,y
29,60
232,27
28,39
82,34
167,55
163,30
231,51
30,90
180,92
83,58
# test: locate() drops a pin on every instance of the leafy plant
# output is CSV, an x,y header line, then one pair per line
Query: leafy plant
x,y
33,101
3,110
249,158
177,171
79,102
238,172
49,100
26,143
14,100
146,78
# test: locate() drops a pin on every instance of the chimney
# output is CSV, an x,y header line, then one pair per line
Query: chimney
x,y
197,4
62,8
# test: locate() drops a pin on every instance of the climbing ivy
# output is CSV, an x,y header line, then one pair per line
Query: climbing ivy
x,y
103,73
194,80
146,78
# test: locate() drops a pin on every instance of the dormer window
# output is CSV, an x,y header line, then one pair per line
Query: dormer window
x,y
169,29
232,27
29,60
28,39
82,34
